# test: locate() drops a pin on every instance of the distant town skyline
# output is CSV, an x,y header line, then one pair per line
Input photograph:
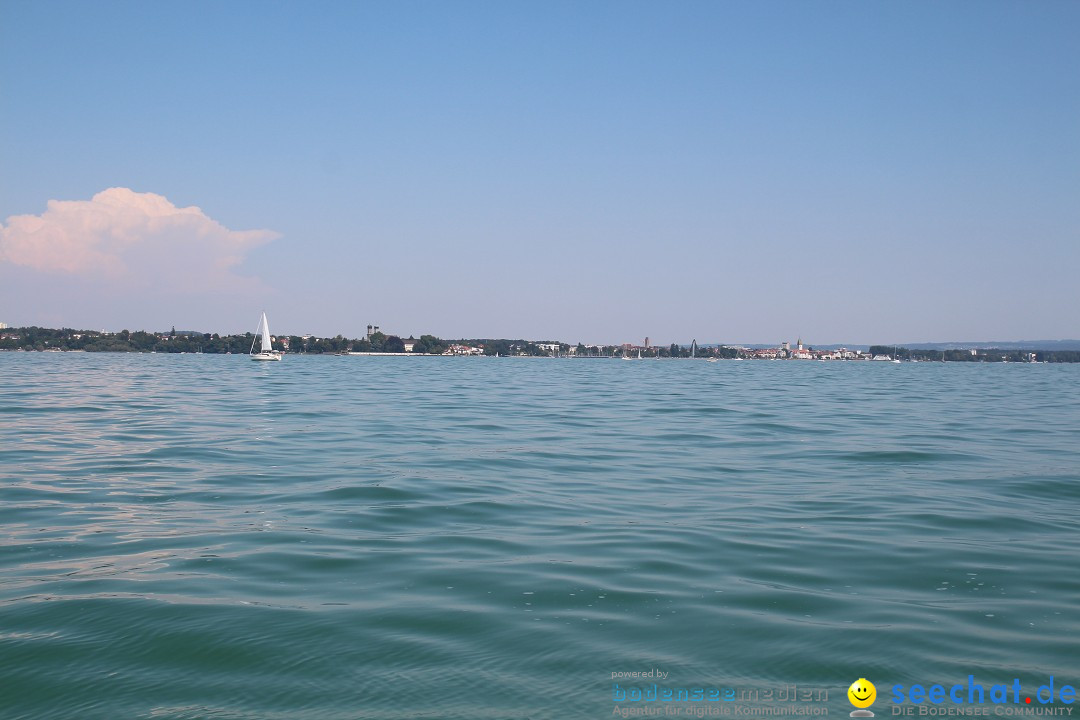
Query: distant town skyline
x,y
745,173
375,342
1051,344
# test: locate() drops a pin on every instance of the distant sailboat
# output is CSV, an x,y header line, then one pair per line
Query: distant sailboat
x,y
266,350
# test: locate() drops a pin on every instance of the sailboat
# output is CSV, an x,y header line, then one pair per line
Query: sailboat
x,y
266,351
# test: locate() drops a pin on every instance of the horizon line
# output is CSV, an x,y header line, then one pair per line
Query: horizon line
x,y
988,343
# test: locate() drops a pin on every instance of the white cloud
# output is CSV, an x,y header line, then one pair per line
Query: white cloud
x,y
130,238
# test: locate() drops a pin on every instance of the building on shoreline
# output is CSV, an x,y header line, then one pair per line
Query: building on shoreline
x,y
801,352
464,350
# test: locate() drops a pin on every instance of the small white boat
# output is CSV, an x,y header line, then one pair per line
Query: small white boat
x,y
266,350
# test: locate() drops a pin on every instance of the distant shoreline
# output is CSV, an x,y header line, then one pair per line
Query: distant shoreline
x,y
378,344
859,361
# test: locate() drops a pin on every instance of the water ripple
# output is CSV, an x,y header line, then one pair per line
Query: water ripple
x,y
206,537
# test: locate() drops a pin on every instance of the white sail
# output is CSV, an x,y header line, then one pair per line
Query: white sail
x,y
262,336
264,332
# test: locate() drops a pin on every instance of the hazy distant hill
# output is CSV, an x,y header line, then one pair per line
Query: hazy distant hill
x,y
982,345
998,345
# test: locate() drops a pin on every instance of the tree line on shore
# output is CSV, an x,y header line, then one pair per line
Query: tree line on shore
x,y
40,339
37,338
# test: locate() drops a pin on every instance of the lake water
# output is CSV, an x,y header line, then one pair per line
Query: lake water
x,y
203,536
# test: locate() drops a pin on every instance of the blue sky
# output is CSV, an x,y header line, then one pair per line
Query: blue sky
x,y
594,171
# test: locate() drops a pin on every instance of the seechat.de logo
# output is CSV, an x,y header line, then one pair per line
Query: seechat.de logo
x,y
862,695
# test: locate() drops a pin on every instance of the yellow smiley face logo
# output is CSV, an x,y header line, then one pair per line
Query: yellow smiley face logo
x,y
862,693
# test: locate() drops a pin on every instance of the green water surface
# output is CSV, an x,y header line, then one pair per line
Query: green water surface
x,y
361,537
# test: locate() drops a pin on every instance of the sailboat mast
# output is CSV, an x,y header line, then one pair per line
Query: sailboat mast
x,y
254,339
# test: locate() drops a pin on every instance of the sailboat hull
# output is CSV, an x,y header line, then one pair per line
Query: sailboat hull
x,y
266,356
